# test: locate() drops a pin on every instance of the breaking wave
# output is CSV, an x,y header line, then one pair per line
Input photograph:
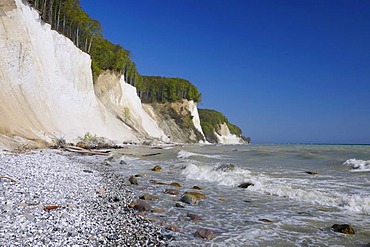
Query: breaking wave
x,y
358,165
185,154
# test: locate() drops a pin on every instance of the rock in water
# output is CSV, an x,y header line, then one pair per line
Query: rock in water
x,y
142,206
196,187
189,199
194,217
205,233
157,168
343,228
245,185
225,167
133,180
171,192
149,197
196,194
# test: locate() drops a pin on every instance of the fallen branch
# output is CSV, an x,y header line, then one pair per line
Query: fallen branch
x,y
87,152
11,179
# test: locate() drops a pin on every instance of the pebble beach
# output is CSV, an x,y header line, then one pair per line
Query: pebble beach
x,y
55,198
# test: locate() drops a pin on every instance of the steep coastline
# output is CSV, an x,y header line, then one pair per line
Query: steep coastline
x,y
48,93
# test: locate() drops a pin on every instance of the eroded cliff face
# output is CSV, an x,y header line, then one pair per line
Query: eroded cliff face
x,y
47,92
225,137
46,83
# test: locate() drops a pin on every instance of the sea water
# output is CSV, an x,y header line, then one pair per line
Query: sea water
x,y
298,192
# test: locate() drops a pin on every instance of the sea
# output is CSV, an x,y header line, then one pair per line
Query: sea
x,y
297,193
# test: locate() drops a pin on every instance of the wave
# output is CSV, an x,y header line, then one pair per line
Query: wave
x,y
295,189
186,154
358,165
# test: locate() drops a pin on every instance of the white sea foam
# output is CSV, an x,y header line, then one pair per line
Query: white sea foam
x,y
185,154
358,165
295,189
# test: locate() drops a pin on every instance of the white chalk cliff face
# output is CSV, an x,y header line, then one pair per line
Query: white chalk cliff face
x,y
46,83
47,89
225,137
122,99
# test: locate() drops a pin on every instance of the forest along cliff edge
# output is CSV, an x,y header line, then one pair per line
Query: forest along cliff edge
x,y
48,91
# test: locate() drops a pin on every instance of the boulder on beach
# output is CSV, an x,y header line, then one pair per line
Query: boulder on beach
x,y
141,206
205,233
148,197
194,217
343,228
196,194
157,168
171,192
245,185
189,199
177,185
133,180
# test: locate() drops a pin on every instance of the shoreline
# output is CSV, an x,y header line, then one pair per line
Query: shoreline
x,y
65,199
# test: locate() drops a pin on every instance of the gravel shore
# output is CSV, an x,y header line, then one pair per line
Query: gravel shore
x,y
63,199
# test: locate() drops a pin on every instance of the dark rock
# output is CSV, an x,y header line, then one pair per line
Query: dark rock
x,y
196,188
157,168
225,167
194,217
205,233
179,205
116,199
171,192
189,199
177,185
122,162
343,228
266,220
87,171
112,237
142,206
311,173
196,194
245,185
133,180
138,176
149,197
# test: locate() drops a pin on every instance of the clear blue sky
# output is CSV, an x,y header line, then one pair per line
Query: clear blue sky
x,y
285,71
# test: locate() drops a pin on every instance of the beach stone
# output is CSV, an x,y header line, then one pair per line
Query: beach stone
x,y
149,197
142,206
179,205
122,162
194,217
205,233
266,220
196,188
343,228
189,199
171,192
225,167
87,171
157,168
112,237
177,185
133,180
196,194
312,173
245,185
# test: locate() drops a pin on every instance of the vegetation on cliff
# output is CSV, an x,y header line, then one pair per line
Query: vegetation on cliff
x,y
210,120
162,89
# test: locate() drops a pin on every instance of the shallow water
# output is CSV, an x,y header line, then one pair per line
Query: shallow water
x,y
300,207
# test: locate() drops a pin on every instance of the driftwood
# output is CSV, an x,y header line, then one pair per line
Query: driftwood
x,y
11,179
86,151
142,155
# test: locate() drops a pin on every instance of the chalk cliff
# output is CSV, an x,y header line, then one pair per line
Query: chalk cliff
x,y
47,92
